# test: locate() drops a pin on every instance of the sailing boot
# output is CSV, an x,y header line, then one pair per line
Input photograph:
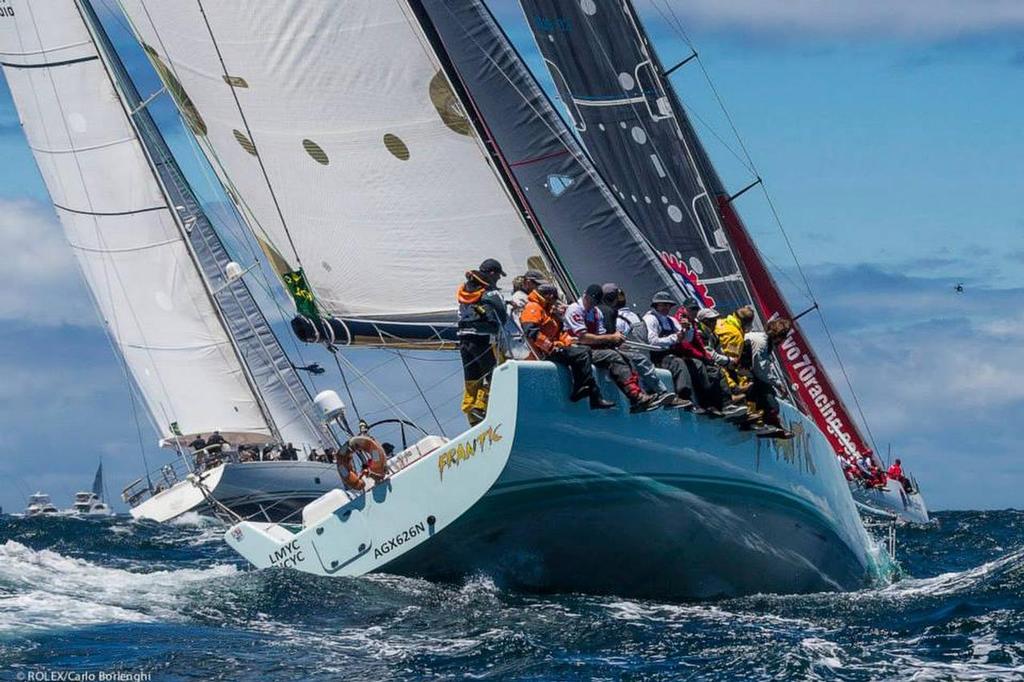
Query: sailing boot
x,y
597,402
638,400
582,391
479,410
469,390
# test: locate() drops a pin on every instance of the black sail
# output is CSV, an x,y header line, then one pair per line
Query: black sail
x,y
588,235
632,125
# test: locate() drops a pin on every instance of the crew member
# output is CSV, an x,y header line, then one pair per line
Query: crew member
x,y
549,341
481,318
636,350
758,358
585,321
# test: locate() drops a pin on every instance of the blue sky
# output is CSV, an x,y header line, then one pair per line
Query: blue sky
x,y
889,137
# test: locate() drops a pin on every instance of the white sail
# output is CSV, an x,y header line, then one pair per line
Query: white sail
x,y
121,229
343,143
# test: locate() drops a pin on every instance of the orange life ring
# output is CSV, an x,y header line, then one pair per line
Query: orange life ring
x,y
374,457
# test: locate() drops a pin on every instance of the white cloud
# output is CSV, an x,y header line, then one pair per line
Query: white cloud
x,y
43,284
918,19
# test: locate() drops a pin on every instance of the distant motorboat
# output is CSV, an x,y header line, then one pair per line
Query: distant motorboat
x,y
91,502
40,505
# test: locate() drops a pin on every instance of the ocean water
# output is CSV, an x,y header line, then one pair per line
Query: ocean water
x,y
92,597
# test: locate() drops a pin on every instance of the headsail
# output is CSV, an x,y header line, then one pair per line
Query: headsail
x,y
631,121
284,397
610,84
342,141
591,235
118,220
97,482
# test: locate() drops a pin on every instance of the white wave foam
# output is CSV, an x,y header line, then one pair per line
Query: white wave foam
x,y
193,519
959,581
46,590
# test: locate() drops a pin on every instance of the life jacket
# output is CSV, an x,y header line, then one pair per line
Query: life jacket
x,y
895,471
477,313
665,325
730,335
543,330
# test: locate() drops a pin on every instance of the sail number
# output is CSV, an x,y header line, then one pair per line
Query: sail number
x,y
5,9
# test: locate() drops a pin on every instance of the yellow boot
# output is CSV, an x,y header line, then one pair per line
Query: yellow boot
x,y
479,409
469,391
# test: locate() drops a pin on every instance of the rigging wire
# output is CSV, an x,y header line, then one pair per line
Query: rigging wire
x,y
676,23
248,130
352,401
639,119
420,390
231,220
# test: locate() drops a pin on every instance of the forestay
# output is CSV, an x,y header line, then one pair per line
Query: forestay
x,y
339,135
121,230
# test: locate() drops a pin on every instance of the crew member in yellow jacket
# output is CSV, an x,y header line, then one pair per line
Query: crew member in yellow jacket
x,y
731,331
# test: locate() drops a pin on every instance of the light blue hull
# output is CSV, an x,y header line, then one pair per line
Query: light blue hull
x,y
663,504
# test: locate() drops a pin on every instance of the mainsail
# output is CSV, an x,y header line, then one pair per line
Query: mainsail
x,y
590,234
97,482
340,137
121,220
616,93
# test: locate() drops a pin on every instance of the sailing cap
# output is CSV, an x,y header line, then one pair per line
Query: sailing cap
x,y
535,276
707,314
547,290
491,265
663,297
610,289
594,293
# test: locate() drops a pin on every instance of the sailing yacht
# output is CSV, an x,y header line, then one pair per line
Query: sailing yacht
x,y
40,505
336,171
189,333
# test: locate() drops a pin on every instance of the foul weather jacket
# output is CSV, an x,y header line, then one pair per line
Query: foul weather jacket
x,y
729,331
542,329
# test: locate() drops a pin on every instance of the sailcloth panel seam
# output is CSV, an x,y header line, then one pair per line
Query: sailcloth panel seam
x,y
127,249
78,150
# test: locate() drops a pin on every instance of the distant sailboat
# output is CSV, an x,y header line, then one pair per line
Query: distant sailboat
x,y
635,127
